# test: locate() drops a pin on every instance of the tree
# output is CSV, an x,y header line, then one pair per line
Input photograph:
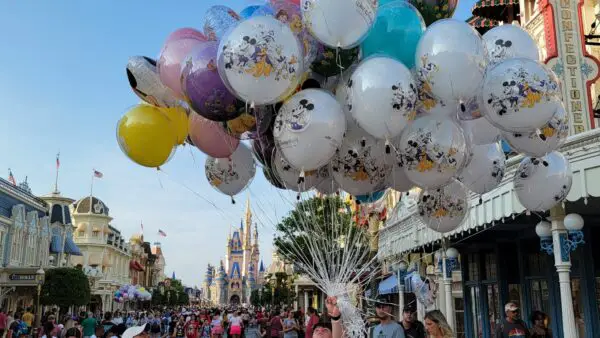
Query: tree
x,y
65,287
317,224
255,298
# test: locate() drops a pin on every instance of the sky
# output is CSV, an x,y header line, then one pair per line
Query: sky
x,y
63,88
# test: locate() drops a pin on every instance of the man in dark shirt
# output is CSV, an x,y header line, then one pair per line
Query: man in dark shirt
x,y
512,326
412,327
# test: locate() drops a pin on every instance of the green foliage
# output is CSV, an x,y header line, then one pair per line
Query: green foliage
x,y
65,287
255,298
173,295
325,222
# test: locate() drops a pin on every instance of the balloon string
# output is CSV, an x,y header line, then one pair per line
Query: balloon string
x,y
193,157
338,59
158,177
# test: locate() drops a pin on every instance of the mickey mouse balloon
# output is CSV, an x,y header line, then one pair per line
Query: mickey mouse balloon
x,y
485,169
145,82
543,182
508,42
260,60
309,129
233,174
291,178
444,209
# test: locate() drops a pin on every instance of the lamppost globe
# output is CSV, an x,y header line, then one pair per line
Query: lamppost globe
x,y
573,222
543,229
452,253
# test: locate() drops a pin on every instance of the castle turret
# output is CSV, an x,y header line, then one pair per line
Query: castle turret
x,y
250,283
246,224
222,284
261,273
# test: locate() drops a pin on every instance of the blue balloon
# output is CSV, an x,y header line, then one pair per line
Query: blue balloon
x,y
370,198
248,11
264,10
396,32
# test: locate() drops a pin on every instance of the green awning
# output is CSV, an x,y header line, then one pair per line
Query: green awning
x,y
495,9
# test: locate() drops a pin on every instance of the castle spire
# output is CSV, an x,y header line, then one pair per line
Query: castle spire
x,y
248,213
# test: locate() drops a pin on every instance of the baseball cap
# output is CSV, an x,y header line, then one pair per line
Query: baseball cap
x,y
133,331
384,300
510,307
409,308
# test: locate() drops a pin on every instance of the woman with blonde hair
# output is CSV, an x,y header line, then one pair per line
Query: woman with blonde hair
x,y
437,326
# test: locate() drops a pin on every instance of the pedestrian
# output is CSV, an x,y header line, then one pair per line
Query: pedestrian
x,y
216,324
3,322
89,325
512,326
290,326
313,319
387,327
437,326
275,324
236,325
413,328
539,328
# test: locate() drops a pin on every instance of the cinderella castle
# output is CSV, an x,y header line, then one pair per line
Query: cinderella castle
x,y
234,279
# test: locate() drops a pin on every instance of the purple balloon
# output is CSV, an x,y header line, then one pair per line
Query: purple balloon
x,y
203,86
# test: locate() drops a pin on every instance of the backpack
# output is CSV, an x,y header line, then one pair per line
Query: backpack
x,y
155,327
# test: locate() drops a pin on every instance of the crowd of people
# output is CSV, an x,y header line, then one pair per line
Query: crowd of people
x,y
240,322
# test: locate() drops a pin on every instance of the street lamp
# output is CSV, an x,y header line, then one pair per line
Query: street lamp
x,y
39,277
573,223
401,269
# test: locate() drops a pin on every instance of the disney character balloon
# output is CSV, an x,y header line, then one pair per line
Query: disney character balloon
x,y
260,61
382,96
233,174
206,92
508,42
485,169
290,177
396,33
146,136
541,183
434,10
251,123
211,138
434,149
145,82
309,129
520,95
271,177
480,131
397,179
359,166
218,20
450,62
549,138
177,47
339,23
444,209
328,186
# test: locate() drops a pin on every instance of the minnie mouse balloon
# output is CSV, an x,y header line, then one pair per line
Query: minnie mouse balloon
x,y
145,82
233,174
291,178
549,138
541,183
217,20
508,42
359,166
450,62
444,209
382,96
519,95
434,149
309,129
339,23
485,169
260,61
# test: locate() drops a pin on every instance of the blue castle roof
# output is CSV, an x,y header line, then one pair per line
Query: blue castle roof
x,y
262,267
235,271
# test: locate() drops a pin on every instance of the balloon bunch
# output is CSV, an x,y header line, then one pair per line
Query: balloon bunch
x,y
358,96
129,292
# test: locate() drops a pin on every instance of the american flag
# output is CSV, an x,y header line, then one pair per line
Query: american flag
x,y
11,178
98,174
162,233
57,160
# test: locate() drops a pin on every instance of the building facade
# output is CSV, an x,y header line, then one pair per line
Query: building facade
x,y
240,272
106,256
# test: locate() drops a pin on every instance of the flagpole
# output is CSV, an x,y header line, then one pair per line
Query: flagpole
x,y
92,190
57,170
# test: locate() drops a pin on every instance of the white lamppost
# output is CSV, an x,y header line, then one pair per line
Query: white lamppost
x,y
400,268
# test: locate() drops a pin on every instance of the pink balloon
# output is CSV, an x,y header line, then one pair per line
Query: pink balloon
x,y
175,50
211,138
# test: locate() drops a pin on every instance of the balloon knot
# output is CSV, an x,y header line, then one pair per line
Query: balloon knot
x,y
363,142
298,197
463,108
232,200
480,201
388,149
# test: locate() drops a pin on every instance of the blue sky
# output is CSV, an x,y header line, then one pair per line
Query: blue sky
x,y
63,88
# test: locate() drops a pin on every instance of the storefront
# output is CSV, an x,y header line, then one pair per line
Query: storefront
x,y
19,287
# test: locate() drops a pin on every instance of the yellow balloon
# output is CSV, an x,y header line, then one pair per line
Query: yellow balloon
x,y
179,120
146,135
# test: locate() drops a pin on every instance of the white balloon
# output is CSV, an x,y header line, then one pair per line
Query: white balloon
x,y
328,186
359,166
480,131
341,95
145,82
549,138
541,183
444,209
260,60
508,42
434,149
519,95
450,63
486,168
339,23
290,177
437,108
233,174
309,129
382,97
396,178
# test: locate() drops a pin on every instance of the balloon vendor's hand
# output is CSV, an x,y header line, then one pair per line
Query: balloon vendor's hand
x,y
332,308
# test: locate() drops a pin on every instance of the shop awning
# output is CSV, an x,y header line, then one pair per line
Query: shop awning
x,y
480,22
388,285
71,248
56,245
135,265
493,9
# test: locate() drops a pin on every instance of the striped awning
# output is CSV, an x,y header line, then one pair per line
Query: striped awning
x,y
71,248
494,9
480,22
388,285
56,244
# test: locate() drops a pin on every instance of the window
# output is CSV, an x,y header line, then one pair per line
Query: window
x,y
2,239
14,250
493,299
490,266
577,294
459,309
537,264
540,296
476,315
473,267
